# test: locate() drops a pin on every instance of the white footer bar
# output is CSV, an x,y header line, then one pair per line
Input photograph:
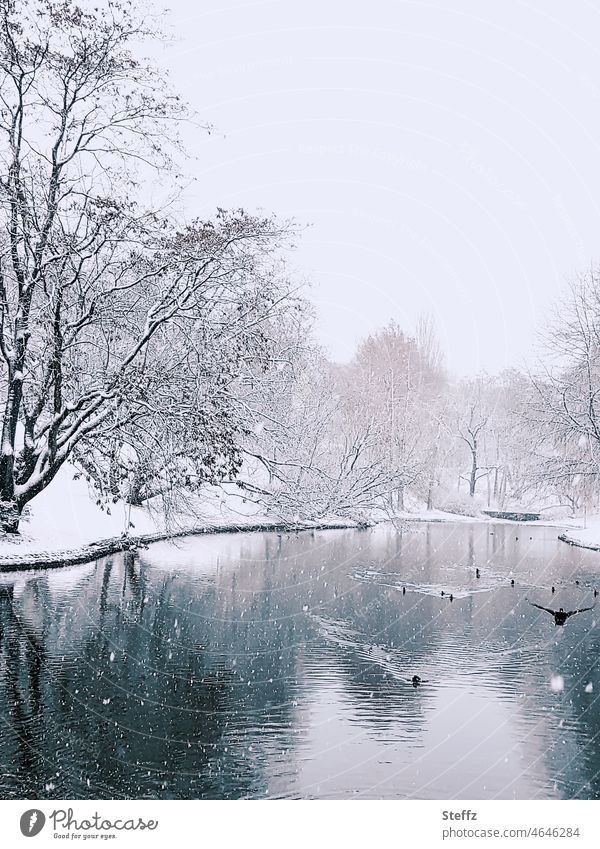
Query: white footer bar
x,y
306,824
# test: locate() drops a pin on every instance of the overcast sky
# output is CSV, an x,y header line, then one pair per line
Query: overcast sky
x,y
446,154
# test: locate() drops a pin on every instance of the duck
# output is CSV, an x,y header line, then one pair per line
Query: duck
x,y
561,615
415,680
477,573
553,590
403,590
512,582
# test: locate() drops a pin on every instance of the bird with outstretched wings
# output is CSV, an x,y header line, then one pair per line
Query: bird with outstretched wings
x,y
561,615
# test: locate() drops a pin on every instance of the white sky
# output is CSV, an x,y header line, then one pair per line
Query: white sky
x,y
446,154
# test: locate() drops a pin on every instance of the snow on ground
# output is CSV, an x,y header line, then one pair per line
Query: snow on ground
x,y
589,536
423,515
65,516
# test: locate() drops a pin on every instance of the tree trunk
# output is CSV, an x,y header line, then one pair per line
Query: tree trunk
x,y
400,497
473,478
430,495
10,516
135,495
114,472
9,429
10,509
502,491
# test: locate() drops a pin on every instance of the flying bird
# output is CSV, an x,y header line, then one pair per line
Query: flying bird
x,y
561,615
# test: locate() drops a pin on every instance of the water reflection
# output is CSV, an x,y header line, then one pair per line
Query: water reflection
x,y
262,665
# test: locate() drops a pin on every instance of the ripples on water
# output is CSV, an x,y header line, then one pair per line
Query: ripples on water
x,y
281,666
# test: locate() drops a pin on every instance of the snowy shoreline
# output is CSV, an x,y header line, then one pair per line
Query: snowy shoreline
x,y
588,538
51,558
18,554
55,559
67,527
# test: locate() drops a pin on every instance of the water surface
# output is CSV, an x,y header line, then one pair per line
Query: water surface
x,y
266,665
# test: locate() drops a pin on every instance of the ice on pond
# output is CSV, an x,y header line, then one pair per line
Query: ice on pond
x,y
589,688
557,683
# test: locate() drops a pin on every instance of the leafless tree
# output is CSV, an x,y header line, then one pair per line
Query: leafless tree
x,y
566,405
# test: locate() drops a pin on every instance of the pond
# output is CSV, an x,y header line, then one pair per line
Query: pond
x,y
270,666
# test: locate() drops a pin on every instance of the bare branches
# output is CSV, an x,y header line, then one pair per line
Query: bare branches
x,y
567,395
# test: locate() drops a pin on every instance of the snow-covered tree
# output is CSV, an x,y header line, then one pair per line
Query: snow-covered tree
x,y
311,453
398,381
117,326
566,403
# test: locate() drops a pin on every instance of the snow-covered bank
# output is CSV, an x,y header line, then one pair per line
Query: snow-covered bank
x,y
65,525
423,515
48,559
588,537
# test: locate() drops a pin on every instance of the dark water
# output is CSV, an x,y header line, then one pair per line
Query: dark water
x,y
261,666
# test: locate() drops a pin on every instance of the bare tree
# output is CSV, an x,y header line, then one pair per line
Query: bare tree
x,y
471,424
398,383
312,453
567,395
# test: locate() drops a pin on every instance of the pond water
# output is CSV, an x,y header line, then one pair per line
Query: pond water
x,y
266,665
